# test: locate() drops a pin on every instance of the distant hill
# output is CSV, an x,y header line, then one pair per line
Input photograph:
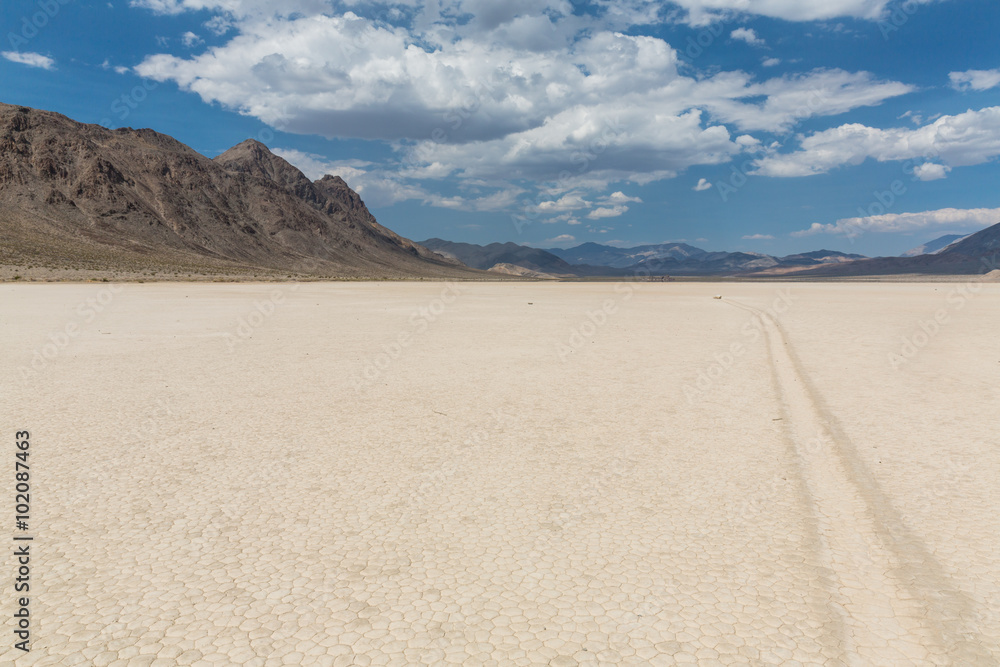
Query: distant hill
x,y
707,264
84,196
934,246
514,270
818,257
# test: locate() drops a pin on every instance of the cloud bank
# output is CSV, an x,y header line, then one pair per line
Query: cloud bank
x,y
946,218
523,103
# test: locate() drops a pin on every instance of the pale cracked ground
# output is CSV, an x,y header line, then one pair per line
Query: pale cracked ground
x,y
501,491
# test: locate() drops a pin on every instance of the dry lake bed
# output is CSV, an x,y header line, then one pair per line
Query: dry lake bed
x,y
504,474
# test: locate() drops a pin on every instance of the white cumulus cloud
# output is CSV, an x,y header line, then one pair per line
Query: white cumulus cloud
x,y
930,171
620,198
568,202
794,97
748,35
564,240
975,79
189,39
701,12
946,218
316,167
607,212
963,140
30,59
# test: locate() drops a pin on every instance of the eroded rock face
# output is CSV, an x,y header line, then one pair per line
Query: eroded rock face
x,y
144,192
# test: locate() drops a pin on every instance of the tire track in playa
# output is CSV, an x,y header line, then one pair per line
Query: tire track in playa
x,y
892,602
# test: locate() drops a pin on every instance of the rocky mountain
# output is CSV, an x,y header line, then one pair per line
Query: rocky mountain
x,y
934,246
76,194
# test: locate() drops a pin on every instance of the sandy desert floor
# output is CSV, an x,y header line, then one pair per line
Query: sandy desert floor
x,y
505,474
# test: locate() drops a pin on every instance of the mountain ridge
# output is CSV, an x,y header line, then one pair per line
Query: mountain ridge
x,y
81,194
976,254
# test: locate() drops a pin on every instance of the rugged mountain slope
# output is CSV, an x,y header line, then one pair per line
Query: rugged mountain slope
x,y
71,192
983,245
934,246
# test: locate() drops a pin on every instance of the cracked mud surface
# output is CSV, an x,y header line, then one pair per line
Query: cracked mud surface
x,y
516,484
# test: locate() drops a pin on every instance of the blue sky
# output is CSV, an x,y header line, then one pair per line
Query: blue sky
x,y
772,126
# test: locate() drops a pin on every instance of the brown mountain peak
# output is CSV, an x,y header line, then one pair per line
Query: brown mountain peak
x,y
250,150
333,181
254,158
248,147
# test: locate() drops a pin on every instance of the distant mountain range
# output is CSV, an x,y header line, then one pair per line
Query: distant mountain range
x,y
596,254
952,254
594,259
977,253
